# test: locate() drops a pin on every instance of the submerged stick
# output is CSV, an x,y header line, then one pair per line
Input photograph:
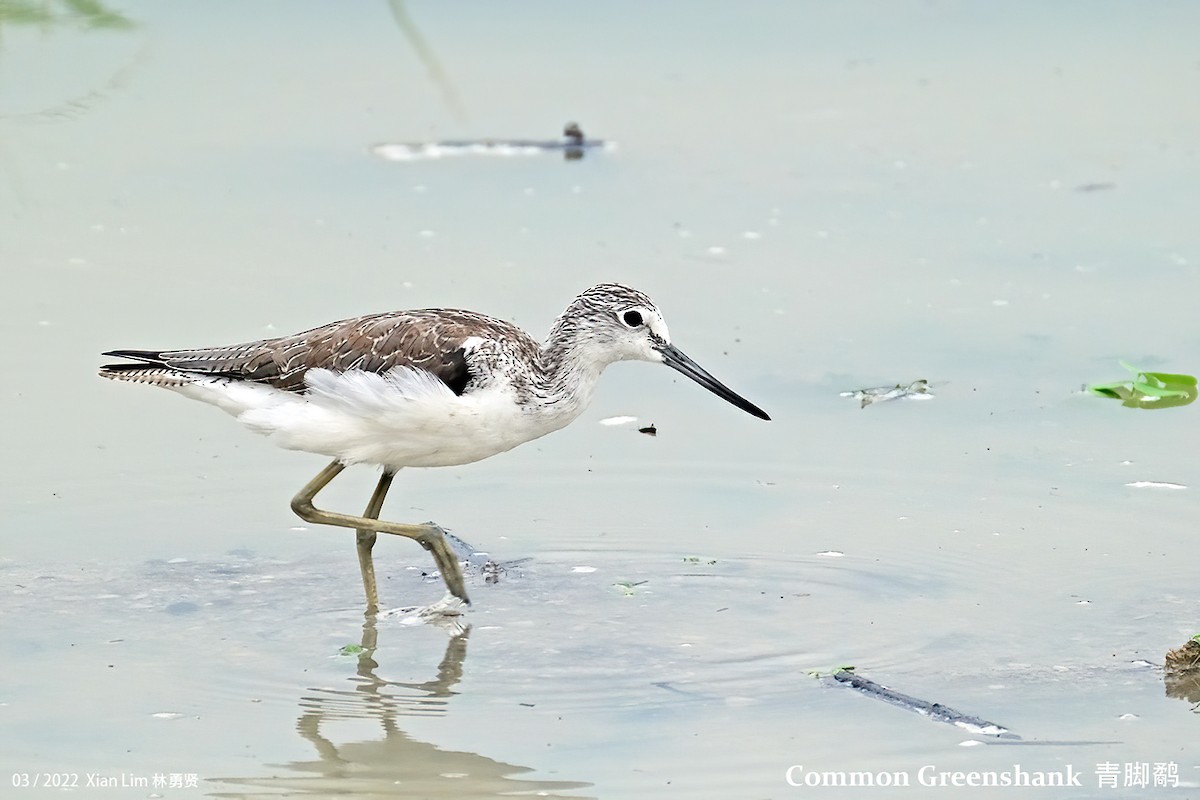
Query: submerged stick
x,y
935,711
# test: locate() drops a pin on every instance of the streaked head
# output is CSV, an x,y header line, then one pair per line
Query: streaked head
x,y
618,323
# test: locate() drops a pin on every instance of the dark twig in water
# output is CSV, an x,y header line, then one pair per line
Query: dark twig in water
x,y
935,711
572,145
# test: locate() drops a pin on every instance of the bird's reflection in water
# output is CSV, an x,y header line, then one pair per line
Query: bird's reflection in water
x,y
393,764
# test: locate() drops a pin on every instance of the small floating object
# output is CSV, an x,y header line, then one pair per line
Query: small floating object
x,y
649,430
1148,389
1155,485
572,146
445,612
917,390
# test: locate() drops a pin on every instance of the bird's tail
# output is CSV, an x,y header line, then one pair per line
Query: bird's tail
x,y
150,369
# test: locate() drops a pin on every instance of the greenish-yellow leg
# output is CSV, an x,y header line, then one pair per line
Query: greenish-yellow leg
x,y
366,541
429,535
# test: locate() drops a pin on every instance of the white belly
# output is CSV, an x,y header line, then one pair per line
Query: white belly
x,y
407,418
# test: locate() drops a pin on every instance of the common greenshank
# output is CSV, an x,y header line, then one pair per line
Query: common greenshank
x,y
430,388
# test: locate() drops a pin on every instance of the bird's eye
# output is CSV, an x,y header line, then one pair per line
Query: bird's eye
x,y
632,318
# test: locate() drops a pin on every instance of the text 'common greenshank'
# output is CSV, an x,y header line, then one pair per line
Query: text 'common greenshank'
x,y
427,388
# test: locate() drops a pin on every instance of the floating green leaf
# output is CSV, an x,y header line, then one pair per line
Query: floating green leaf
x,y
93,14
86,13
1149,389
826,672
351,650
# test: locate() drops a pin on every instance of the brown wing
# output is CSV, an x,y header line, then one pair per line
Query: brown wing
x,y
431,340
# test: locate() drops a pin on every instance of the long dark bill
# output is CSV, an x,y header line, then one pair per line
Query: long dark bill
x,y
674,358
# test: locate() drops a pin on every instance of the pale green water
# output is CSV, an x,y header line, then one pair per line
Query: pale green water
x,y
819,198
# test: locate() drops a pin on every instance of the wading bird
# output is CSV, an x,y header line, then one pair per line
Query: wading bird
x,y
429,388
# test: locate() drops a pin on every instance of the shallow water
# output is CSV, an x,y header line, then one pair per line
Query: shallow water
x,y
821,199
